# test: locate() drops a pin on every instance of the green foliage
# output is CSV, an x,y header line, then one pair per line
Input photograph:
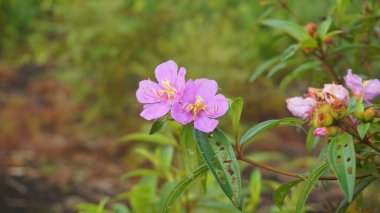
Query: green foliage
x,y
234,111
281,192
342,160
221,160
362,129
261,127
158,125
309,185
181,187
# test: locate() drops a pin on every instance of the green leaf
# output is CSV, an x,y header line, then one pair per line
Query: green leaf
x,y
261,127
234,111
281,192
360,186
294,30
362,129
309,185
289,52
221,160
255,184
324,27
156,138
191,155
311,140
166,157
138,172
341,156
181,187
280,67
262,68
371,166
120,208
298,71
157,125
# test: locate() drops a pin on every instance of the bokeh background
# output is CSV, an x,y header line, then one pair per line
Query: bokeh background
x,y
69,71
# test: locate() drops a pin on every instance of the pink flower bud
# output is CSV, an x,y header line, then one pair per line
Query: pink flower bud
x,y
321,131
301,107
335,94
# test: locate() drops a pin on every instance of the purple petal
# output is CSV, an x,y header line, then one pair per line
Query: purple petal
x,y
206,88
180,81
371,89
217,106
147,92
188,96
166,71
154,111
205,124
180,114
354,82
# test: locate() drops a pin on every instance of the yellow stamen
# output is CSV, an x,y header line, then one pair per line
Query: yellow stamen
x,y
197,107
168,90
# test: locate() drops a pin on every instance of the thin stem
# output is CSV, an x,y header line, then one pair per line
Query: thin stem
x,y
372,144
287,173
285,5
323,57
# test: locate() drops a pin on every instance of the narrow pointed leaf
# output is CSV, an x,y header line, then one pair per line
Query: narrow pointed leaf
x,y
294,30
289,52
324,27
156,138
181,187
342,160
262,68
234,111
360,186
191,155
221,160
261,127
280,193
298,71
309,185
362,129
157,125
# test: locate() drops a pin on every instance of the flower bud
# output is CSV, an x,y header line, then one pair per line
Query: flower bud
x,y
325,131
369,114
328,40
322,119
311,29
359,115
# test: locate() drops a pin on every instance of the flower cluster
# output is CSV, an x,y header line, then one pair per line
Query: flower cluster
x,y
192,101
326,106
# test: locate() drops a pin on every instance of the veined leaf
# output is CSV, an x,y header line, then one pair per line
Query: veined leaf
x,y
298,71
324,27
157,125
234,111
262,68
261,127
191,155
360,186
281,192
294,30
255,184
181,187
311,140
289,52
341,156
362,129
156,138
309,185
221,160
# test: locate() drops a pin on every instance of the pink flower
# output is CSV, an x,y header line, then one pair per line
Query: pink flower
x,y
321,131
301,107
335,94
159,97
201,105
368,89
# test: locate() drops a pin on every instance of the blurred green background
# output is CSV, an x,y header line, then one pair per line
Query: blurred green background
x,y
69,71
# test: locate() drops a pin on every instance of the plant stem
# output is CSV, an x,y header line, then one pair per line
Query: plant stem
x,y
287,173
372,144
323,57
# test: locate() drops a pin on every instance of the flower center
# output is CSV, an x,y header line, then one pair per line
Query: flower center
x,y
168,90
197,107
